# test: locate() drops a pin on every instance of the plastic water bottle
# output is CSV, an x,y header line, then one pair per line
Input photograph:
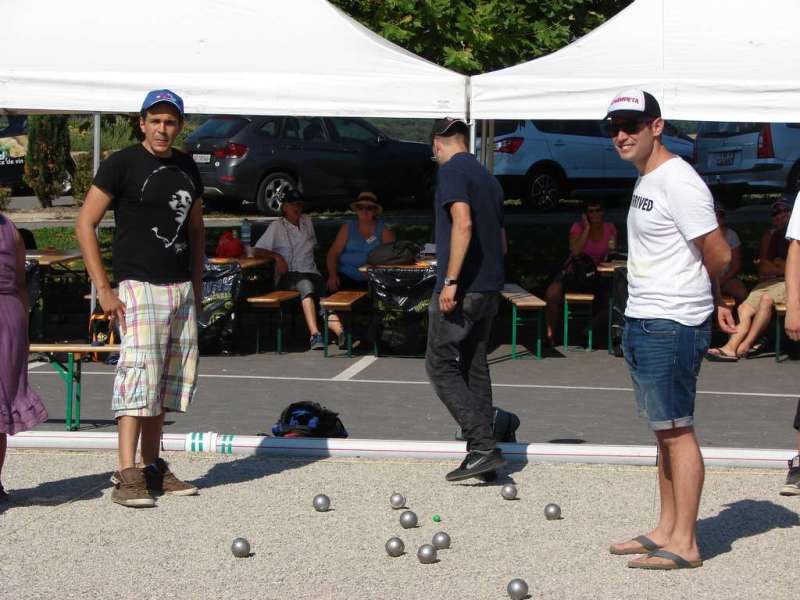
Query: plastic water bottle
x,y
247,230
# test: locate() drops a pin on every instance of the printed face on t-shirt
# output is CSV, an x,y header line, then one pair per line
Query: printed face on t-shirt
x,y
172,182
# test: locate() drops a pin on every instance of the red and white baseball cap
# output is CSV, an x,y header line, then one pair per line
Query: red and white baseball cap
x,y
636,104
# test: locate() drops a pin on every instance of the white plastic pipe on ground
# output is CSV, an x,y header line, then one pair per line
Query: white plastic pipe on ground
x,y
396,449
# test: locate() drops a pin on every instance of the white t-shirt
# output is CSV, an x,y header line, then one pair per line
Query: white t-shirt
x,y
295,244
671,206
793,229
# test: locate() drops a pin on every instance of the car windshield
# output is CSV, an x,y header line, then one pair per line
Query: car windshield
x,y
220,127
716,129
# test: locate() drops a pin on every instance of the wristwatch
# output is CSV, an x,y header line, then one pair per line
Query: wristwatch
x,y
450,281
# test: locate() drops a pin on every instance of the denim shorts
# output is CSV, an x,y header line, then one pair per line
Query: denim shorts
x,y
664,359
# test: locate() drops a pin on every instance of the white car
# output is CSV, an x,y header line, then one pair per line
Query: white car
x,y
543,162
740,158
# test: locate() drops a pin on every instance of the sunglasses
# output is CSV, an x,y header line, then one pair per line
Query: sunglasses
x,y
368,207
629,126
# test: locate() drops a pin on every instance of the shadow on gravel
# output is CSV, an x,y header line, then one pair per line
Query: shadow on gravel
x,y
249,468
63,491
741,519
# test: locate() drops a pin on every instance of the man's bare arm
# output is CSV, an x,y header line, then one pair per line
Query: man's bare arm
x,y
716,252
460,236
197,246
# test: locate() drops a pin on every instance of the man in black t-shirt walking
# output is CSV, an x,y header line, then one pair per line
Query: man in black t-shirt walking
x,y
470,244
158,259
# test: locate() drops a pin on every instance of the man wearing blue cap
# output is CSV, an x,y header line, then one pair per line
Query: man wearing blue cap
x,y
158,255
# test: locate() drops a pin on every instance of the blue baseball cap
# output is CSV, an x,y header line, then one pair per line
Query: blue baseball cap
x,y
157,96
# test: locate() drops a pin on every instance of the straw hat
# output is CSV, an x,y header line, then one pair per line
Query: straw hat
x,y
367,198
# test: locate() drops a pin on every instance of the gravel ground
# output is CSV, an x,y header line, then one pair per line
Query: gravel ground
x,y
63,538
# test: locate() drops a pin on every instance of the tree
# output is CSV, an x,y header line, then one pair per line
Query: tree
x,y
475,36
48,155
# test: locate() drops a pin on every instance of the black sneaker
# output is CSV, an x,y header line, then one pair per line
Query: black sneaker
x,y
792,485
477,463
488,477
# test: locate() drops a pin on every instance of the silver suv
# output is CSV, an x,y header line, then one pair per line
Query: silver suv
x,y
741,158
543,162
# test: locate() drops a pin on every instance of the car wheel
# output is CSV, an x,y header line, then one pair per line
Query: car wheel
x,y
545,189
271,191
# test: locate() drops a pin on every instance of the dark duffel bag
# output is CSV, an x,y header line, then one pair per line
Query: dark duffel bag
x,y
400,252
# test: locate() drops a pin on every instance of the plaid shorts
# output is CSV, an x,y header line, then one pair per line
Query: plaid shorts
x,y
157,367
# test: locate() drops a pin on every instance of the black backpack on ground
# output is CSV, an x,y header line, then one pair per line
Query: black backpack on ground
x,y
309,419
504,425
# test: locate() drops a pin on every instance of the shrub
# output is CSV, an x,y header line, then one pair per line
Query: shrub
x,y
82,179
5,198
47,158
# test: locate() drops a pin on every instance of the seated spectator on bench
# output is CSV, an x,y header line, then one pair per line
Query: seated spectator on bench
x,y
353,243
755,312
591,236
290,242
729,283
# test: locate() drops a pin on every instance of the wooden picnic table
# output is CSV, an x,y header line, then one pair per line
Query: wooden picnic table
x,y
70,372
422,264
607,268
46,257
246,262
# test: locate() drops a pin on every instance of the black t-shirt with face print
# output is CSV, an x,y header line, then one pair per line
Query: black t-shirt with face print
x,y
152,198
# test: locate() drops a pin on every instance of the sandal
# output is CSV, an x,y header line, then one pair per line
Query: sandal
x,y
645,545
678,562
717,355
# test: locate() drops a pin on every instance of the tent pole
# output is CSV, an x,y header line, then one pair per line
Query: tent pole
x,y
472,137
95,167
490,147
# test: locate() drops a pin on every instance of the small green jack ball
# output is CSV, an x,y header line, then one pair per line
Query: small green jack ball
x,y
436,518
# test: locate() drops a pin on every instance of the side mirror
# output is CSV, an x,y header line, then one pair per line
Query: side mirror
x,y
381,139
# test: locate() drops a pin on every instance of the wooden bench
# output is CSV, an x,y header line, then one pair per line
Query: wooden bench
x,y
523,301
341,301
274,301
579,300
70,372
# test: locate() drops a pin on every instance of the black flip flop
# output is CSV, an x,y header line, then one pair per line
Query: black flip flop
x,y
645,545
720,356
678,562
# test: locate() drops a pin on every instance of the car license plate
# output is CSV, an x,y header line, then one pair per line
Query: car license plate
x,y
725,159
201,158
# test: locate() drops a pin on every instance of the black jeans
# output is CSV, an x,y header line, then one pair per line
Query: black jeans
x,y
457,367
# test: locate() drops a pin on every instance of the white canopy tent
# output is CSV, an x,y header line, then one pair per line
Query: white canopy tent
x,y
300,57
713,60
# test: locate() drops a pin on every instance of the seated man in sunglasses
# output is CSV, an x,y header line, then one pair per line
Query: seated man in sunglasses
x,y
755,313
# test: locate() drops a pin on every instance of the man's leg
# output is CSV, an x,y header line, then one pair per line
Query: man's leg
x,y
553,308
151,437
746,313
3,444
792,485
310,315
129,429
758,325
474,363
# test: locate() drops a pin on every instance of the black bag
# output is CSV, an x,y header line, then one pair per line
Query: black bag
x,y
309,419
619,294
401,252
504,426
579,274
216,320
